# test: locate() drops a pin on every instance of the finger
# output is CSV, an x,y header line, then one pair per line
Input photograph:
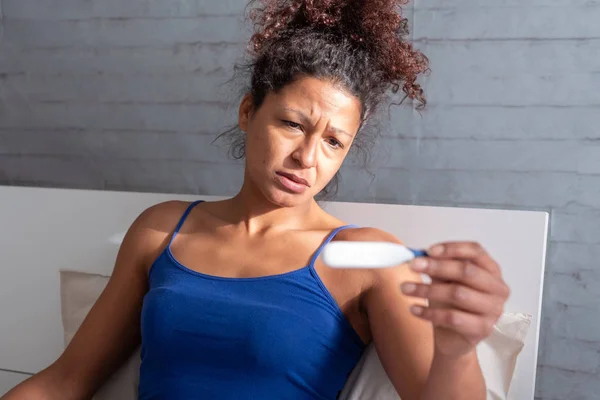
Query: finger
x,y
461,271
469,325
457,296
471,251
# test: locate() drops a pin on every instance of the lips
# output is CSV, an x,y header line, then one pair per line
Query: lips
x,y
294,178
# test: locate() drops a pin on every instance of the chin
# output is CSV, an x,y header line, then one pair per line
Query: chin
x,y
271,191
281,198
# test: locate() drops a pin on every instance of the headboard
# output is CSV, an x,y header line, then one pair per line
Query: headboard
x,y
45,230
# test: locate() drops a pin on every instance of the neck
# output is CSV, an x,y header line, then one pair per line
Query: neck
x,y
257,214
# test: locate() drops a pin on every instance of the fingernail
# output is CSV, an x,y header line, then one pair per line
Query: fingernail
x,y
417,310
408,287
436,250
419,264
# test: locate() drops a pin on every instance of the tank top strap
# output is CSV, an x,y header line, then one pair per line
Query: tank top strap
x,y
328,239
182,219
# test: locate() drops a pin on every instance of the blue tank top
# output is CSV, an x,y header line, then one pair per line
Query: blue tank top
x,y
209,337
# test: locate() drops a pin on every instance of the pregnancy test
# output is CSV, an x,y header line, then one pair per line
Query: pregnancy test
x,y
344,254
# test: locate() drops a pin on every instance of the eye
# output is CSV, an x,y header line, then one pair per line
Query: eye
x,y
293,125
333,142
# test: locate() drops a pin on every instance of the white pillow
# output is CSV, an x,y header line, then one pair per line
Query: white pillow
x,y
497,357
497,354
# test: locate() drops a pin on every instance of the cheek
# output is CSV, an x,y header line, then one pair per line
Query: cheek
x,y
328,167
259,148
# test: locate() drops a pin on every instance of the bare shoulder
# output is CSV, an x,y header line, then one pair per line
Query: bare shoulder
x,y
161,215
151,230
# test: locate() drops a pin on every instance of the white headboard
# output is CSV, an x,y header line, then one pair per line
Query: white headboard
x,y
45,230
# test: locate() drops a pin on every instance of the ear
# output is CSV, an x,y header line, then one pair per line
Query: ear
x,y
245,112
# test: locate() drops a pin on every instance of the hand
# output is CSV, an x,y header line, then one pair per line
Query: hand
x,y
465,298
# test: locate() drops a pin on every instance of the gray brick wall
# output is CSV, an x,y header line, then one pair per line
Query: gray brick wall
x,y
128,96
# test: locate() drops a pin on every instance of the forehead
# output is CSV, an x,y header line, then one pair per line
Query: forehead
x,y
318,98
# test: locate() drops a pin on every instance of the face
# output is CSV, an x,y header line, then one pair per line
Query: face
x,y
298,138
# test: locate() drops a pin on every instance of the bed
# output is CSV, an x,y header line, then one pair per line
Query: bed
x,y
44,231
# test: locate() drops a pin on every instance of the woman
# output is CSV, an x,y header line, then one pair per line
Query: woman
x,y
230,300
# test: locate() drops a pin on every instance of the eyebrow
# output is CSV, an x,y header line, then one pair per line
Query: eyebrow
x,y
305,119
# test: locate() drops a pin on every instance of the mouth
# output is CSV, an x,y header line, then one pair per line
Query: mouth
x,y
292,183
294,178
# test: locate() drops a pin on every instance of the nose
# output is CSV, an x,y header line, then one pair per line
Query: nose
x,y
305,154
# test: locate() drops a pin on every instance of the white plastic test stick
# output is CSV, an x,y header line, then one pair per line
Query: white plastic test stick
x,y
344,254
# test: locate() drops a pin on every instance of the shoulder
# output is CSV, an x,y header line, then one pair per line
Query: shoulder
x,y
151,230
161,216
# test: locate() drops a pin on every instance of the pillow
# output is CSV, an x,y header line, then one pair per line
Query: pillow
x,y
497,357
78,293
497,354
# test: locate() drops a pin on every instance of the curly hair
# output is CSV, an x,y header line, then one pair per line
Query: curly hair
x,y
359,45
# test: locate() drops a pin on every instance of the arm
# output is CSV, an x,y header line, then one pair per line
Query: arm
x,y
405,345
426,342
111,330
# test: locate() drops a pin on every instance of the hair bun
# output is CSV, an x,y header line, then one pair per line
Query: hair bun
x,y
375,26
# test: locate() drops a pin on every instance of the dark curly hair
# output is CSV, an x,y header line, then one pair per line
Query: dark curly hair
x,y
359,45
